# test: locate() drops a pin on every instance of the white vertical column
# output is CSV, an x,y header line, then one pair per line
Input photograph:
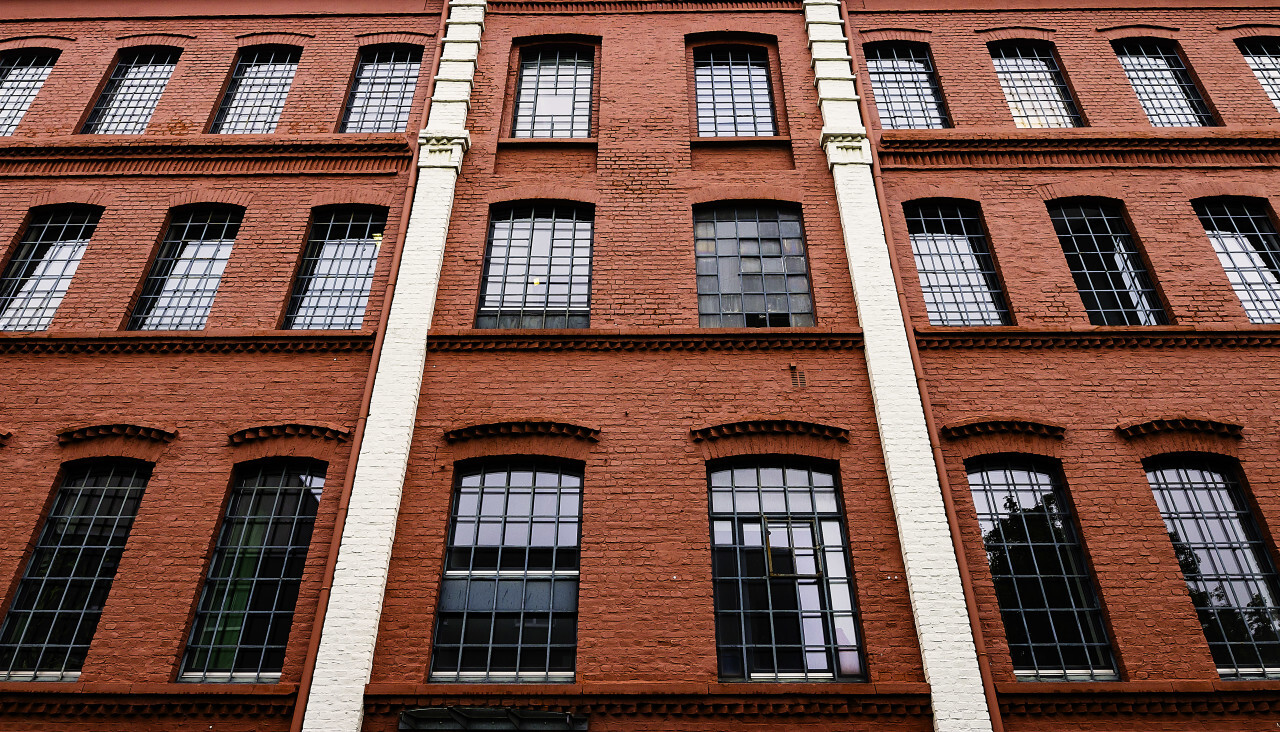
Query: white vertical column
x,y
350,631
933,576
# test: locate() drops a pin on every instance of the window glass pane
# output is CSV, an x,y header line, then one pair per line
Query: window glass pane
x,y
1247,245
55,611
38,275
509,599
1051,614
242,623
22,73
256,94
132,92
957,273
382,93
1111,278
553,97
333,282
1162,82
784,602
537,268
1263,55
752,268
179,292
905,86
733,91
1033,85
1229,573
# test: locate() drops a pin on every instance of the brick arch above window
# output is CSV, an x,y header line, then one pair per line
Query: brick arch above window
x,y
910,35
1094,188
717,193
121,440
204,195
1249,30
297,40
1016,32
522,437
1139,30
1198,190
1181,435
988,436
408,38
915,193
770,436
60,43
353,197
75,195
540,192
322,441
174,40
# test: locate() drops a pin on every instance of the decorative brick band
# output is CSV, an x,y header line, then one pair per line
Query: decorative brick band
x,y
770,427
1121,703
649,706
125,705
1002,427
1124,339
638,6
292,429
646,342
1201,426
514,429
137,431
192,344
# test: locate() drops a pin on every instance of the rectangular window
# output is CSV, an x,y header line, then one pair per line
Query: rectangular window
x,y
553,95
22,74
242,623
751,267
905,86
1249,249
55,610
1033,84
179,292
258,89
1052,618
333,283
38,275
783,593
132,92
382,94
1162,82
957,273
1229,573
733,91
1104,261
537,268
1263,55
509,598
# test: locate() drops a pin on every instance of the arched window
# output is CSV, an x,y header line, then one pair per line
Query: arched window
x,y
43,265
241,628
783,588
905,85
55,610
256,93
1052,618
509,598
1228,568
1162,82
957,272
1033,84
132,91
537,266
1263,55
179,291
381,96
332,287
1245,239
22,74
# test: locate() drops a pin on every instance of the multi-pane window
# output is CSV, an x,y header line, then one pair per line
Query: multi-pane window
x,y
957,273
905,86
1033,84
1104,261
537,267
553,95
333,282
242,622
22,73
40,271
783,593
733,91
1052,618
179,291
132,91
1229,571
55,610
1249,249
1263,55
509,600
751,267
382,92
257,91
1162,82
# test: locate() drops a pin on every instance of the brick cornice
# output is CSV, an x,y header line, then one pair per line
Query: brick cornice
x,y
1202,699
769,427
638,341
134,431
637,6
48,703
520,428
934,340
1002,427
1181,424
334,432
172,344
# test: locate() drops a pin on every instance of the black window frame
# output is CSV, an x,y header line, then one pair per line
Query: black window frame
x,y
525,118
185,308
1156,96
926,105
108,118
30,261
1257,286
377,106
716,70
950,293
1041,89
1256,48
251,104
316,306
16,95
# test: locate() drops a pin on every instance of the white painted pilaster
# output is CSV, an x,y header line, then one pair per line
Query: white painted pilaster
x,y
350,630
933,575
